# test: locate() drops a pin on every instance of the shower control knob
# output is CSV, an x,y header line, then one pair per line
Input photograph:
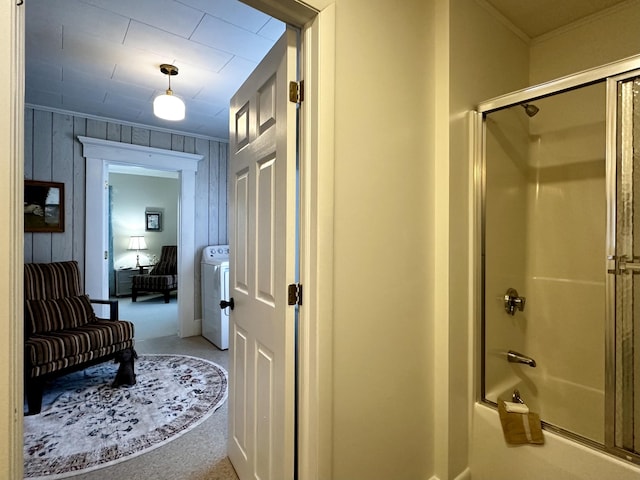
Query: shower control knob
x,y
513,302
224,304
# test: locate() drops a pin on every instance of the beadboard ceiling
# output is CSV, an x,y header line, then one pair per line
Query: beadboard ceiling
x,y
102,57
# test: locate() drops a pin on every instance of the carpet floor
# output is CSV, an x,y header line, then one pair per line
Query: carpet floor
x,y
172,395
199,454
151,316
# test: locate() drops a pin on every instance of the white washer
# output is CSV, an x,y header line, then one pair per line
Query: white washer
x,y
215,287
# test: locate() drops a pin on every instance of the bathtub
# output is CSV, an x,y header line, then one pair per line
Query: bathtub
x,y
559,458
568,405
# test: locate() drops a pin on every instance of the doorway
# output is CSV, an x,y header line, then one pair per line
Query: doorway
x,y
318,138
133,192
102,153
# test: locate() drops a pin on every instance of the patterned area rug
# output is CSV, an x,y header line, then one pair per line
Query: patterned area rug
x,y
85,424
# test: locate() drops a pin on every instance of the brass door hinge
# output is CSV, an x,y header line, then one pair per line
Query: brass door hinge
x,y
296,91
294,294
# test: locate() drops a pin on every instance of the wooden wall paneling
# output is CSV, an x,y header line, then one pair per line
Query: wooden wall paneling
x,y
41,248
52,152
79,169
125,134
113,132
177,142
42,124
62,171
28,247
160,140
223,235
96,129
189,145
28,143
28,173
140,136
202,188
202,211
213,183
42,141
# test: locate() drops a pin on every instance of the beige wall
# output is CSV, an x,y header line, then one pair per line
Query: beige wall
x,y
487,60
383,323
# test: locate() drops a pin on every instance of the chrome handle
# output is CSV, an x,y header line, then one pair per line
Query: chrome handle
x,y
515,357
623,264
513,301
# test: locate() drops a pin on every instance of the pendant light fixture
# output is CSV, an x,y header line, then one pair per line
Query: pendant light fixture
x,y
168,106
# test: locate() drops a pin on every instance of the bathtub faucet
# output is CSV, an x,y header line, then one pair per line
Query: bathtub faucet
x,y
515,357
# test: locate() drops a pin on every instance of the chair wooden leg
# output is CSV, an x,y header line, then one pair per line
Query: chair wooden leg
x,y
34,387
166,296
134,294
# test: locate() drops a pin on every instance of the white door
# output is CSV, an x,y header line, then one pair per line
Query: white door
x,y
262,209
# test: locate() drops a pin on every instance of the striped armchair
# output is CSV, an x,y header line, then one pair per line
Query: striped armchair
x,y
162,278
62,332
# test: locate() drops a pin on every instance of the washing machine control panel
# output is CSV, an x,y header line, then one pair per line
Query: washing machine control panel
x,y
215,253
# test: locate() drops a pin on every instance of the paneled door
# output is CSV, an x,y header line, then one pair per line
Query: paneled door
x,y
262,223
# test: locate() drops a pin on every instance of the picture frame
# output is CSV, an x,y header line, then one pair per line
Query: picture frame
x,y
43,206
153,221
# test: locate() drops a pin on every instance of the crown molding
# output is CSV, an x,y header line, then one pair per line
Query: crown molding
x,y
122,122
491,10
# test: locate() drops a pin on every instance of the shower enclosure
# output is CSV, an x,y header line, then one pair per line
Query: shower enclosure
x,y
558,190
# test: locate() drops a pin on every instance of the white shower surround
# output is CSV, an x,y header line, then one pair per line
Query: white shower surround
x,y
559,456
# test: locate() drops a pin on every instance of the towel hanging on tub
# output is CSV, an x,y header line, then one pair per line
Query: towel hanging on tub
x,y
520,426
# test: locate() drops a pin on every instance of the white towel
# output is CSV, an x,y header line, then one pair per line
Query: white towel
x,y
513,407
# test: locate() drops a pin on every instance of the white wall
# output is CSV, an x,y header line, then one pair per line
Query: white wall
x,y
131,196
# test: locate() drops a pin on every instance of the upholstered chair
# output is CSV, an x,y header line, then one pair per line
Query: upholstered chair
x,y
162,278
61,330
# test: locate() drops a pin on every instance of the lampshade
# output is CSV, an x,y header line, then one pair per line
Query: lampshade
x,y
168,106
137,243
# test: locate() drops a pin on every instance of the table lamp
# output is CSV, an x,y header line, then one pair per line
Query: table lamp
x,y
137,243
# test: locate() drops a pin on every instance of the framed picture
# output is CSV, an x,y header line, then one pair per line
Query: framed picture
x,y
154,221
43,206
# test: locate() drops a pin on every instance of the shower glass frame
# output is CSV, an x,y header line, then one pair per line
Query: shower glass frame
x,y
611,74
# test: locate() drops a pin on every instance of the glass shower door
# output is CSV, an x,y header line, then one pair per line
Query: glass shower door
x,y
623,342
543,254
558,179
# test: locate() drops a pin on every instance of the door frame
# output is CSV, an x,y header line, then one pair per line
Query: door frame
x,y
317,142
317,201
99,154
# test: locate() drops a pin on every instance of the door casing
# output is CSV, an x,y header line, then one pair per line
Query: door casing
x,y
316,164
